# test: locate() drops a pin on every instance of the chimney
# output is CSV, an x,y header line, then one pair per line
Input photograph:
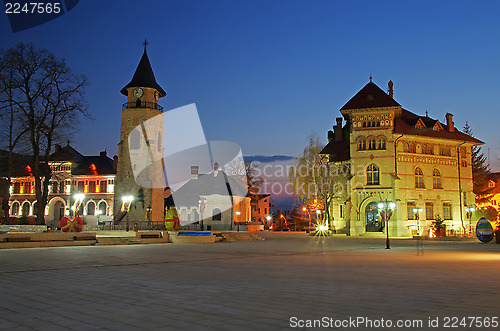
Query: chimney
x,y
330,135
449,122
391,91
115,162
57,148
194,172
103,153
216,169
338,130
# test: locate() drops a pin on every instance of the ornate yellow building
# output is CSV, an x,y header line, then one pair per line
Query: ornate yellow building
x,y
421,165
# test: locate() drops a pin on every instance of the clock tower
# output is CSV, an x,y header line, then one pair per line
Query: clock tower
x,y
143,93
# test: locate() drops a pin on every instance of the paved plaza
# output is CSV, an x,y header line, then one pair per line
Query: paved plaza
x,y
288,280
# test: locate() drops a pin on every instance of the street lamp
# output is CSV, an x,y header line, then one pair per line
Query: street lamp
x,y
469,211
127,202
386,213
304,209
238,213
78,201
417,212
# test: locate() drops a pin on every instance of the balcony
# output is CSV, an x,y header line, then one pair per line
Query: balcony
x,y
150,105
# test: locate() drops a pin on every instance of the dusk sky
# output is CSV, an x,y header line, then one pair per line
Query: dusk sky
x,y
265,74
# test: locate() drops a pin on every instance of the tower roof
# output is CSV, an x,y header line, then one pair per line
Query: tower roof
x,y
144,76
370,96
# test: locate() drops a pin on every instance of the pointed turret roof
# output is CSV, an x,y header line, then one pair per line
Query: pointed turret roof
x,y
144,76
370,96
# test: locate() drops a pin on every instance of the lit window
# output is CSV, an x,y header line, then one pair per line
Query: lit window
x,y
429,211
410,205
372,175
419,178
14,211
372,144
381,143
91,208
447,210
361,145
436,179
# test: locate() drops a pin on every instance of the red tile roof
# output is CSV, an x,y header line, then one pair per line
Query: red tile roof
x,y
406,125
370,96
338,151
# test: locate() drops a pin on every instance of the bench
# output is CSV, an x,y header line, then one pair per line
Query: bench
x,y
150,235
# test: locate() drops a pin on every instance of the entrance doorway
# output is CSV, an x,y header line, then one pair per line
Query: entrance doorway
x,y
58,211
372,221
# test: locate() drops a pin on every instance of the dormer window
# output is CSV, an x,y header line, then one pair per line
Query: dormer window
x,y
420,124
437,126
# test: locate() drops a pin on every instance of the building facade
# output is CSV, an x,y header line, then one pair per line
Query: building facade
x,y
417,163
92,177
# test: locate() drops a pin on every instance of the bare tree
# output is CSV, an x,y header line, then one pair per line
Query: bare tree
x,y
318,182
47,100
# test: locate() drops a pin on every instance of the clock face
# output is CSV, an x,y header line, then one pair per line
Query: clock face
x,y
138,92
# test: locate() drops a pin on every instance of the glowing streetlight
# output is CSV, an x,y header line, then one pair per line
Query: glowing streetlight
x,y
386,213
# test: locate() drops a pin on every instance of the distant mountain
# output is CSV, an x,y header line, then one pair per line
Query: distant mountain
x,y
268,159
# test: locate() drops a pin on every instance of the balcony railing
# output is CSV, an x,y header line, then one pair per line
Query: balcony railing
x,y
150,105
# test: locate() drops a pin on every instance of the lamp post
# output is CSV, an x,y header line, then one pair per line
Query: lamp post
x,y
238,213
386,213
126,202
417,212
469,211
149,209
78,201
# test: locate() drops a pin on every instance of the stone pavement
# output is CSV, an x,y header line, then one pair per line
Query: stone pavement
x,y
246,285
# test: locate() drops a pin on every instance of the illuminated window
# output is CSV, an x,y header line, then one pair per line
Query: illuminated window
x,y
372,175
371,144
216,215
447,210
429,211
102,207
361,145
381,143
410,205
419,178
14,210
436,179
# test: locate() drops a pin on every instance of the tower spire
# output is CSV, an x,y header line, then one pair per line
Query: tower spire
x,y
145,43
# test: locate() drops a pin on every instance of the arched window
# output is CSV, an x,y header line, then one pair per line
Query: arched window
x,y
436,179
372,175
419,178
91,208
361,145
381,143
54,187
33,211
102,208
371,144
216,215
62,187
26,208
135,139
14,211
412,148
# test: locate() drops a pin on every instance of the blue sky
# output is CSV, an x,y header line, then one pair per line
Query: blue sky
x,y
265,74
